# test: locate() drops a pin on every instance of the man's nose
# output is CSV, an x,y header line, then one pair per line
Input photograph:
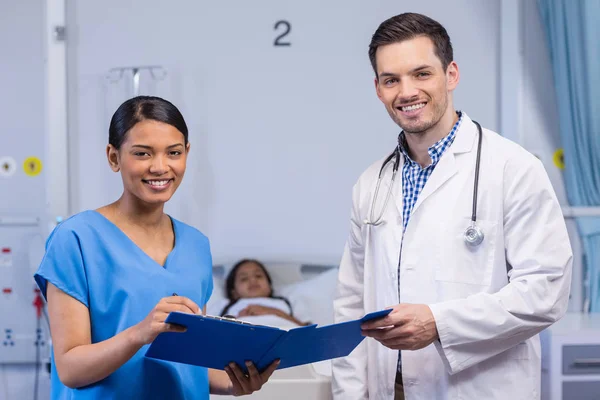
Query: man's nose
x,y
407,91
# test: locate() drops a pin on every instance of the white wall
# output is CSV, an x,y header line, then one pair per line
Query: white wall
x,y
279,134
22,102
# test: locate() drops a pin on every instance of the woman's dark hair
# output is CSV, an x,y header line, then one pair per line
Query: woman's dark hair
x,y
408,26
230,281
143,108
230,284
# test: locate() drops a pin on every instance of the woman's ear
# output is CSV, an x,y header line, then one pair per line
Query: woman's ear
x,y
113,158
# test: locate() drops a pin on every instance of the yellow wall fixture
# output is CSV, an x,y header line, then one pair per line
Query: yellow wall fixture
x,y
32,166
559,158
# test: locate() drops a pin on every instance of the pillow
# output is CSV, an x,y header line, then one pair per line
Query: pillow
x,y
287,282
282,273
312,299
217,300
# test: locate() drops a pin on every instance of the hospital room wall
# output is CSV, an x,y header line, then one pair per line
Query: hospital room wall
x,y
23,195
315,222
300,212
280,134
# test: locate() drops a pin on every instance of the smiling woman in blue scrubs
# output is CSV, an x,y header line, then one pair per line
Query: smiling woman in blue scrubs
x,y
109,275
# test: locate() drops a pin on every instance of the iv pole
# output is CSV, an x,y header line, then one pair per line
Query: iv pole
x,y
156,71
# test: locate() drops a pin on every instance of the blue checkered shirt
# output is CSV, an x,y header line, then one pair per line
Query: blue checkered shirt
x,y
414,178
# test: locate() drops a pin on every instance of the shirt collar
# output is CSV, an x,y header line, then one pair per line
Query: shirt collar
x,y
437,149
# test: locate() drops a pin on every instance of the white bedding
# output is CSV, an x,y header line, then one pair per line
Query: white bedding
x,y
311,299
269,320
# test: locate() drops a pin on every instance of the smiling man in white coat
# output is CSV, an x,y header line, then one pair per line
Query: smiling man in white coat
x,y
467,243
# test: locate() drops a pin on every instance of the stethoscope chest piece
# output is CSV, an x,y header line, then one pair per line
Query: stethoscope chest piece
x,y
473,236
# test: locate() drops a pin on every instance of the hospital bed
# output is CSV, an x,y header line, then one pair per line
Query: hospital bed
x,y
310,290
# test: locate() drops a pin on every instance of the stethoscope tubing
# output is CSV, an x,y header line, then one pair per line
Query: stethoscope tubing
x,y
395,156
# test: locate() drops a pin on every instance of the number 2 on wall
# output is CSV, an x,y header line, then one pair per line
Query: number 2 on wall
x,y
287,30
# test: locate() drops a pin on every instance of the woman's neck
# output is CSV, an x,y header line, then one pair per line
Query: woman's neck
x,y
134,212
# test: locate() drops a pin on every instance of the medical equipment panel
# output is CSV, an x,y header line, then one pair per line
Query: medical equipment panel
x,y
24,337
23,323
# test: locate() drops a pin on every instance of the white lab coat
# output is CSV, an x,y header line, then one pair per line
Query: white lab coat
x,y
488,319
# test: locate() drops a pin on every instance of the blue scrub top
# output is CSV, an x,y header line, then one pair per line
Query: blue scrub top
x,y
92,260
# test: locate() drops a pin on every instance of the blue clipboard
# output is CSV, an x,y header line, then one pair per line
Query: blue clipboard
x,y
214,342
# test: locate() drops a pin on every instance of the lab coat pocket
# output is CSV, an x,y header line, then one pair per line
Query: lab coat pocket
x,y
519,352
461,263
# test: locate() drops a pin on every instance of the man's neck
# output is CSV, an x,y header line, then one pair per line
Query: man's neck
x,y
419,143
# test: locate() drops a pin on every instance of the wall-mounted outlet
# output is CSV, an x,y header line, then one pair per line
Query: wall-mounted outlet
x,y
8,338
39,340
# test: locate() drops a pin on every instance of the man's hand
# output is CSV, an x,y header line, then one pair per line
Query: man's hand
x,y
407,327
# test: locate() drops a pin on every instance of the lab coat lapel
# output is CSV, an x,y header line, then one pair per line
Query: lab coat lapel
x,y
444,170
386,238
397,197
446,167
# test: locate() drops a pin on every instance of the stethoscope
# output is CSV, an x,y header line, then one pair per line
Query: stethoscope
x,y
473,234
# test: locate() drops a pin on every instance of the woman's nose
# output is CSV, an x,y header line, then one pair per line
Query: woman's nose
x,y
158,166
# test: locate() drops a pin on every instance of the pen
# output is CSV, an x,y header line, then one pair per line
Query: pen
x,y
175,294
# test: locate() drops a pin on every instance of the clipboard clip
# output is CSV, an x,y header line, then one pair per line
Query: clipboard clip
x,y
229,318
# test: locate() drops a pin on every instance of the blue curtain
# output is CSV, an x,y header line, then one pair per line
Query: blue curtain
x,y
573,32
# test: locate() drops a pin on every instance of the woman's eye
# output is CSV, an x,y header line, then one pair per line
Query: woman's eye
x,y
176,153
140,153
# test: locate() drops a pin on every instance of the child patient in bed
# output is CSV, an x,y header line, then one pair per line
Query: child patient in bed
x,y
250,293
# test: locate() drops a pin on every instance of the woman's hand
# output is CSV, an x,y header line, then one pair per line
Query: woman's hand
x,y
243,384
154,323
252,310
260,310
